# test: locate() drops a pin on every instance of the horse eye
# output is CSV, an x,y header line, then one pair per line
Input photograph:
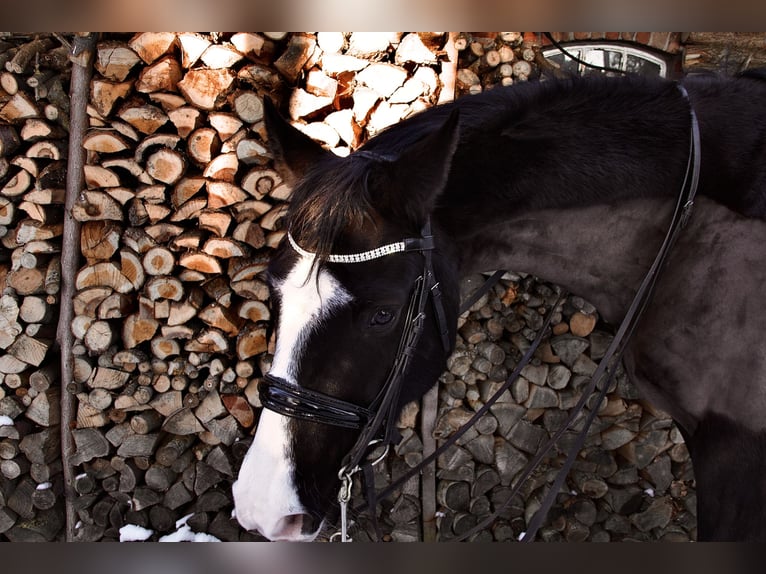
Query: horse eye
x,y
381,317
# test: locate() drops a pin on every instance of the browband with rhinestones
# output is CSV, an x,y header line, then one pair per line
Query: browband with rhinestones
x,y
413,244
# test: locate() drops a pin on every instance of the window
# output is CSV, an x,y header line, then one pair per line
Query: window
x,y
624,58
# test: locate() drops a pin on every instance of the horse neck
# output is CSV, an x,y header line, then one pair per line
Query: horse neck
x,y
600,252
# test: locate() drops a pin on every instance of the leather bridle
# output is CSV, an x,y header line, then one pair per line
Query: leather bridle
x,y
291,400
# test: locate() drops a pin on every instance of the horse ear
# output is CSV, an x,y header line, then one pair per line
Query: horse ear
x,y
294,152
420,174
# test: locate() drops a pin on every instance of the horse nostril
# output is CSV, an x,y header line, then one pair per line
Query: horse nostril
x,y
293,527
308,525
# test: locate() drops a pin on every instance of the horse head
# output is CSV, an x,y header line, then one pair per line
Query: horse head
x,y
342,300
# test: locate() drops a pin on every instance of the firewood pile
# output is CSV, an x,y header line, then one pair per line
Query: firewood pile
x,y
179,213
178,216
34,118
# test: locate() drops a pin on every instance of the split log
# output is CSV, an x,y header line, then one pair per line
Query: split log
x,y
216,221
35,129
203,145
192,47
45,408
114,60
251,341
206,89
222,168
185,189
104,141
17,184
105,94
103,274
223,194
19,107
29,350
161,76
151,45
249,232
218,56
132,268
9,141
147,119
219,317
186,119
225,124
164,287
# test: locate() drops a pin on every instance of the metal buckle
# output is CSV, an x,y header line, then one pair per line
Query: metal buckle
x,y
344,493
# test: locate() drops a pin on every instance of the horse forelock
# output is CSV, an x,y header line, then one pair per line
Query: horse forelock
x,y
331,202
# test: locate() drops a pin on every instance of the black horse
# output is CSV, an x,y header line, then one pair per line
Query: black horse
x,y
499,176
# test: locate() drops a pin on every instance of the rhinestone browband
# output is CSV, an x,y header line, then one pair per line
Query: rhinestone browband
x,y
414,244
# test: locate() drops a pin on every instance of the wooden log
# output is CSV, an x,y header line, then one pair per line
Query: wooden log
x,y
45,408
186,119
99,240
206,89
99,337
251,341
27,281
225,124
216,221
192,47
183,422
224,193
17,184
114,60
224,247
249,232
161,76
166,165
254,311
248,106
147,119
104,94
222,168
200,262
104,141
185,189
208,341
19,107
26,54
164,287
218,56
9,140
151,45
158,261
137,328
103,274
203,145
295,56
219,317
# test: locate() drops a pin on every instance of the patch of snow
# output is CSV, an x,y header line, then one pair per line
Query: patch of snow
x,y
650,492
44,486
6,421
133,533
184,533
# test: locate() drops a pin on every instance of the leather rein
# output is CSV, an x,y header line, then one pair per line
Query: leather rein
x,y
290,400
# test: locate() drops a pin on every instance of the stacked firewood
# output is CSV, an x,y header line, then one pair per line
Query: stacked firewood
x,y
487,60
179,215
34,112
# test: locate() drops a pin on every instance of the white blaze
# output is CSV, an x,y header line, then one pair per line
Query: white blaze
x,y
264,493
